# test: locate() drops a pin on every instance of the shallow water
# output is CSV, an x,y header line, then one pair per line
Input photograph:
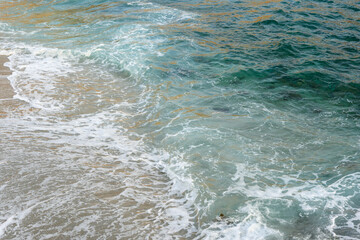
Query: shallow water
x,y
180,120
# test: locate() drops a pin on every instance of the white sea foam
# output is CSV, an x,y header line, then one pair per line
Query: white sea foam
x,y
15,219
35,72
5,224
248,229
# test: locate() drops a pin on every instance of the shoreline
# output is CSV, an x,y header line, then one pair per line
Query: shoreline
x,y
6,90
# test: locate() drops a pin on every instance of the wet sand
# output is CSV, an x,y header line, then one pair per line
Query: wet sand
x,y
8,104
6,91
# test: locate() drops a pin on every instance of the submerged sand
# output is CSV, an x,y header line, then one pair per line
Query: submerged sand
x,y
6,91
8,104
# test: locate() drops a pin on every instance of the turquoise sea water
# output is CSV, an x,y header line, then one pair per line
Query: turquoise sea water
x,y
181,119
